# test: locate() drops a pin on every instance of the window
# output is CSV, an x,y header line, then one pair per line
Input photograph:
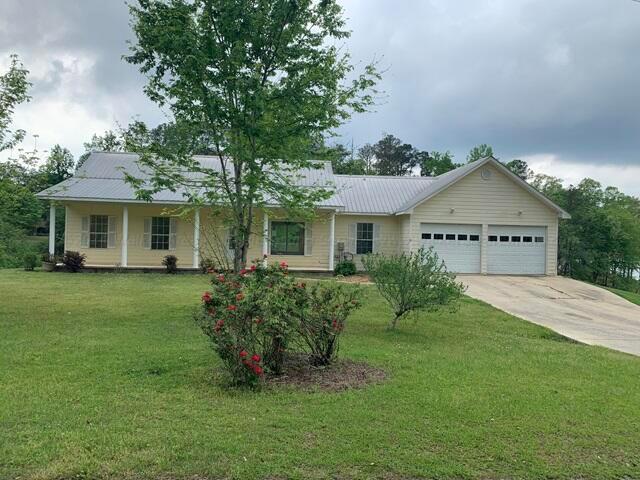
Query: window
x,y
287,238
438,236
364,238
493,238
527,239
160,231
504,238
451,236
474,238
463,237
98,231
515,238
539,239
426,236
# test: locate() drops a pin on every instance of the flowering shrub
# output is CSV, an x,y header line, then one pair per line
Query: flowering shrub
x,y
328,307
256,316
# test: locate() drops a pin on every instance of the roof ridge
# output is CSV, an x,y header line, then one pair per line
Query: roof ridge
x,y
412,177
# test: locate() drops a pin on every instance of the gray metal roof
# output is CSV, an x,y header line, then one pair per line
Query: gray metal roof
x,y
101,178
376,194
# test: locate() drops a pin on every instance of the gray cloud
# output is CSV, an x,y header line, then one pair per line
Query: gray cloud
x,y
530,77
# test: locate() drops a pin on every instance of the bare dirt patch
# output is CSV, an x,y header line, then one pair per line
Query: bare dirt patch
x,y
360,278
342,375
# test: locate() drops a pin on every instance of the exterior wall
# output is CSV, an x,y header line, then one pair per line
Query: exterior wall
x,y
213,237
137,254
389,241
497,201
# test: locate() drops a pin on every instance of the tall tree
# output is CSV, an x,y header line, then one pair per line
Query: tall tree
x,y
59,165
255,82
13,91
367,155
520,168
479,152
393,157
110,141
437,163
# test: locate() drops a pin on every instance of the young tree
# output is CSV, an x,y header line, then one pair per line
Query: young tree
x,y
479,152
13,91
255,82
437,163
394,157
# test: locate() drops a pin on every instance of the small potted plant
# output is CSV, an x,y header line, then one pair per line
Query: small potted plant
x,y
48,262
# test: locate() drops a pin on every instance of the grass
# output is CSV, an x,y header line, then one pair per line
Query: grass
x,y
104,375
631,296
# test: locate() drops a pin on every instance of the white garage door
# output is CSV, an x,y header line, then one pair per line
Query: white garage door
x,y
516,250
457,245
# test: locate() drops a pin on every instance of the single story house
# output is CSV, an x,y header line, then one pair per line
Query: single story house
x,y
480,218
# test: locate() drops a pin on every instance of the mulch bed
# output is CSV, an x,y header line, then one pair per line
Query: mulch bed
x,y
342,375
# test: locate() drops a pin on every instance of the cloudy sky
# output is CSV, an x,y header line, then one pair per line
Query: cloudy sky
x,y
556,83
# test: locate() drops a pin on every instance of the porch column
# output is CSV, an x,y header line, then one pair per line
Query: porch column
x,y
52,229
124,254
332,234
265,238
196,238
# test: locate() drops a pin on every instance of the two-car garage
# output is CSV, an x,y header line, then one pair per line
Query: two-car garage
x,y
516,250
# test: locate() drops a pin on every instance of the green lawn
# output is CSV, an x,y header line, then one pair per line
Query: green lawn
x,y
631,296
105,375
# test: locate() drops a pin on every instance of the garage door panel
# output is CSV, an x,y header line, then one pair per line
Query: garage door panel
x,y
457,245
517,250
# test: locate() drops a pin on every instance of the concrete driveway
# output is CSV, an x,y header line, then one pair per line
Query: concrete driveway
x,y
574,309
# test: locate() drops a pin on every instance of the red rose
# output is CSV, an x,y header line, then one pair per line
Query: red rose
x,y
283,265
219,325
243,271
258,370
253,268
243,353
221,277
231,308
206,297
239,296
256,357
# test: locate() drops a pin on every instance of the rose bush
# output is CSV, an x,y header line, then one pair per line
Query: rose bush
x,y
253,318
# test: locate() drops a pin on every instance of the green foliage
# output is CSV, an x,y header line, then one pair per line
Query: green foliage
x,y
345,268
437,163
255,317
13,91
520,168
171,264
394,157
255,83
29,261
110,141
73,261
413,282
479,152
327,307
18,206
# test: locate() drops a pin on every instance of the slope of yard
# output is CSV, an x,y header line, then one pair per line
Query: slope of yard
x,y
631,296
107,376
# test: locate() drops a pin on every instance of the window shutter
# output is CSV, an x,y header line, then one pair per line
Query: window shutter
x,y
84,232
308,239
146,237
111,236
351,240
376,237
173,227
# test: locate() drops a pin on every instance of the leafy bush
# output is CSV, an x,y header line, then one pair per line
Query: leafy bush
x,y
328,306
208,265
30,261
417,281
254,318
73,261
345,267
171,263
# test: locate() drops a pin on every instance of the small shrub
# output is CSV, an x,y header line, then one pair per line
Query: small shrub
x,y
29,261
171,264
208,265
345,267
73,261
328,306
412,282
